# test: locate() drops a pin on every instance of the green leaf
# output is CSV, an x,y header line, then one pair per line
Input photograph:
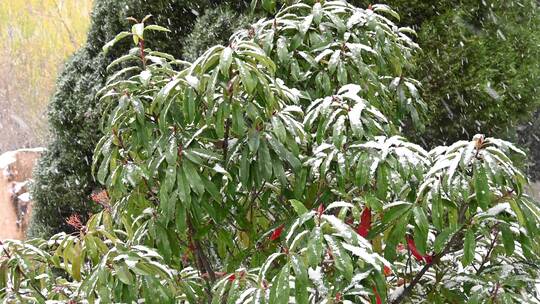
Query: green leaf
x,y
333,62
342,260
264,161
282,52
225,61
315,247
437,211
154,27
420,219
111,43
248,80
123,273
301,282
481,187
193,177
283,153
269,6
362,170
382,182
468,248
508,239
238,124
397,233
244,168
104,168
298,207
395,210
279,293
181,219
279,129
172,152
183,188
420,239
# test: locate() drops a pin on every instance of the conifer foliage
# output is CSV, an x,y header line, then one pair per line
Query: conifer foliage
x,y
272,170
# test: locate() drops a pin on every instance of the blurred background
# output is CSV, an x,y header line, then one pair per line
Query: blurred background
x,y
37,37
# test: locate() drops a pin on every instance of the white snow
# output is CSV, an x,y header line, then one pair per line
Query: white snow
x,y
316,276
9,158
17,187
25,197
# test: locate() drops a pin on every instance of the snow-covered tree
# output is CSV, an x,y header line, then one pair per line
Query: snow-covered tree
x,y
272,170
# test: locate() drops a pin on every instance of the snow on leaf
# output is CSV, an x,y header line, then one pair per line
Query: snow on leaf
x,y
317,277
339,204
363,254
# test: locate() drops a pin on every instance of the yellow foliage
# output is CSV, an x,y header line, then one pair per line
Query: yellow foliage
x,y
36,36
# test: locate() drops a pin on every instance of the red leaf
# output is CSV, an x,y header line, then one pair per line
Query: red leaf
x,y
387,271
412,248
365,222
320,210
277,233
417,255
377,296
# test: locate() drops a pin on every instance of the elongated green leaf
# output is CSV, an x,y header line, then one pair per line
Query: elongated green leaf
x,y
301,281
421,219
155,27
283,153
508,239
342,260
279,293
118,37
315,247
193,177
395,210
269,5
225,61
298,207
468,248
481,187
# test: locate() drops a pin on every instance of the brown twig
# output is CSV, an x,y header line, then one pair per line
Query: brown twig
x,y
226,142
143,57
455,240
495,292
490,250
436,258
201,260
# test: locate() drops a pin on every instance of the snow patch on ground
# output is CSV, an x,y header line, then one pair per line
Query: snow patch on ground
x,y
9,158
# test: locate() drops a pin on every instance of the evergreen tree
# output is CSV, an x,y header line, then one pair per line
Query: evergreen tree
x,y
480,68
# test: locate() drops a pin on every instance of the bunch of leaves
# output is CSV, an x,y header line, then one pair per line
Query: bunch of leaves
x,y
272,169
63,182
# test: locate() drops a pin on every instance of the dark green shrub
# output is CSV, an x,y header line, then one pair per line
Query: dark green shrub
x,y
480,68
215,26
